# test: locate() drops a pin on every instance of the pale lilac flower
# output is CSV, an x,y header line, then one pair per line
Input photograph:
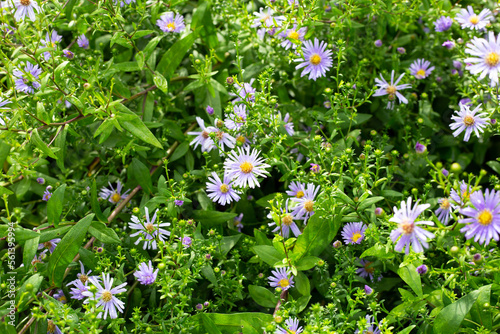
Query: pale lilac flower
x,y
384,88
353,233
237,222
77,291
368,290
186,241
244,166
50,41
178,202
443,213
28,81
420,68
467,120
464,196
411,234
113,195
68,54
292,34
378,43
305,204
59,295
366,271
449,45
4,102
483,222
40,180
315,168
457,64
288,125
287,223
222,138
317,60
485,57
149,231
203,136
443,23
245,91
281,279
38,259
465,101
236,120
266,19
221,192
371,327
46,195
26,7
401,50
106,296
169,23
468,19
420,148
50,245
83,41
145,275
292,326
297,189
52,328
422,270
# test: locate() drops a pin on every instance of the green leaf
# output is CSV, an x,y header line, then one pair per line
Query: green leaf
x,y
307,263
317,235
261,238
55,206
302,284
35,139
212,218
268,254
231,323
180,151
407,330
60,143
139,56
209,325
139,172
209,274
23,295
262,296
339,194
29,252
66,250
480,314
148,50
173,57
133,124
229,242
409,274
369,202
94,202
104,233
21,234
495,165
128,66
161,82
378,251
54,233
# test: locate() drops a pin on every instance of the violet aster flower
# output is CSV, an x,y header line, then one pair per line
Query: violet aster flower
x,y
68,54
366,271
281,279
266,19
59,295
77,291
50,41
410,233
449,45
178,202
40,180
113,195
222,138
221,192
237,222
420,148
186,241
169,23
457,64
50,245
443,213
467,120
392,89
420,68
422,270
297,189
236,120
315,168
317,60
83,41
210,110
145,275
38,259
371,327
368,290
464,196
292,326
443,23
353,233
245,91
106,296
483,222
294,35
288,224
27,81
244,166
46,195
203,136
52,328
465,101
305,204
401,50
26,7
288,125
3,103
468,19
485,57
149,231
378,43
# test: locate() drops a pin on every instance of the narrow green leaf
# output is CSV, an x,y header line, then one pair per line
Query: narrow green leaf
x,y
369,202
94,202
54,233
161,82
104,233
134,125
268,254
411,277
139,56
212,218
23,295
449,319
55,206
317,235
209,325
209,274
262,296
60,143
29,252
180,151
139,172
35,139
229,242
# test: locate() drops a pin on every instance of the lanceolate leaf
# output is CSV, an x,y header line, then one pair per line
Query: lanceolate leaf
x,y
55,206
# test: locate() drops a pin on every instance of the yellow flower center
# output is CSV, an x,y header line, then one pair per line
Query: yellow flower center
x,y
367,267
241,140
116,197
84,278
47,244
171,26
469,120
205,134
62,299
299,194
106,296
445,204
407,227
474,19
219,135
492,59
224,188
25,2
287,220
246,167
315,59
51,327
308,205
356,236
421,73
293,35
265,18
485,218
150,228
283,283
391,90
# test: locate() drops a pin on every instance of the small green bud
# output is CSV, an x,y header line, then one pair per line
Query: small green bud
x,y
454,250
161,266
455,167
29,287
136,210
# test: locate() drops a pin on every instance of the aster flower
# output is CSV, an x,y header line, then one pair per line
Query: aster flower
x,y
378,43
443,23
221,137
4,102
245,91
149,231
236,120
38,259
186,241
467,120
77,291
50,41
266,19
354,233
50,245
305,204
410,233
288,224
292,34
145,275
371,327
113,195
420,68
485,57
221,192
288,125
391,89
281,279
46,195
483,222
443,213
422,270
368,290
52,328
242,141
317,60
83,41
68,54
297,189
26,7
448,44
27,81
315,168
464,196
366,271
468,19
169,23
178,202
292,326
237,222
59,295
202,136
106,296
244,166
